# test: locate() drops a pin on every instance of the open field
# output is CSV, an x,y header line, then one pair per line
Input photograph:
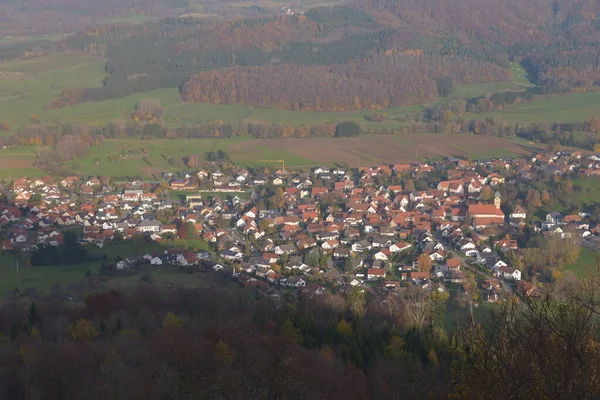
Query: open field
x,y
519,75
298,153
28,86
570,107
587,263
585,191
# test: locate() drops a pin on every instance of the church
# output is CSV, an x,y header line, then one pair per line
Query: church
x,y
485,215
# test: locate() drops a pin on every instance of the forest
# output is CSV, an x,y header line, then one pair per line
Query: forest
x,y
229,342
349,57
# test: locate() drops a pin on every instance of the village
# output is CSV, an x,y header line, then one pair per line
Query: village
x,y
336,228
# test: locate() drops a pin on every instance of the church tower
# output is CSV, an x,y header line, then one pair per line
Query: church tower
x,y
497,200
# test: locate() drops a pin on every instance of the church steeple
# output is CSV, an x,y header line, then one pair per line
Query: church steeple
x,y
497,200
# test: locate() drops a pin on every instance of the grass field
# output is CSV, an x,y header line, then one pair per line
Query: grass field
x,y
587,263
298,153
571,107
28,86
585,191
519,75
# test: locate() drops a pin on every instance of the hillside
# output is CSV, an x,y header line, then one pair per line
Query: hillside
x,y
386,54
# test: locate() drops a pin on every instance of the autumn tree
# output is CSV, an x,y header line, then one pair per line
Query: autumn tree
x,y
83,331
533,199
424,263
487,194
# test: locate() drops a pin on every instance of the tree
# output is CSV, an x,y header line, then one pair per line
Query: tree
x,y
424,263
409,185
350,264
445,86
357,302
347,129
171,322
552,346
533,199
417,307
546,199
190,230
487,194
83,331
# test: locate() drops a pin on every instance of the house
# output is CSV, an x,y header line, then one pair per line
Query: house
x,y
381,256
295,281
506,245
509,273
375,273
341,252
453,264
149,226
518,213
285,249
156,261
399,247
232,255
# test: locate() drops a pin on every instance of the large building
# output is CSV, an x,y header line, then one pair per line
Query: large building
x,y
485,215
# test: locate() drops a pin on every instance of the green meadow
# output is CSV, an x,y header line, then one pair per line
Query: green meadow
x,y
570,107
587,264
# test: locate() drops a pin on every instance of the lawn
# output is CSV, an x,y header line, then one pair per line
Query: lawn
x,y
571,107
585,191
588,262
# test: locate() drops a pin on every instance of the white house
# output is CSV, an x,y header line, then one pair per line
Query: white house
x,y
156,261
509,273
399,247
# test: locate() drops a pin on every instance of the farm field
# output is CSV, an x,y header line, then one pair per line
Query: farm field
x,y
572,107
298,153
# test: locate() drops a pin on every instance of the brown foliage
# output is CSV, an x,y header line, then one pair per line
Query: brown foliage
x,y
378,82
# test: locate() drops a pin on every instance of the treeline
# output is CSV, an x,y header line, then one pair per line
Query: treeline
x,y
70,252
220,343
364,84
